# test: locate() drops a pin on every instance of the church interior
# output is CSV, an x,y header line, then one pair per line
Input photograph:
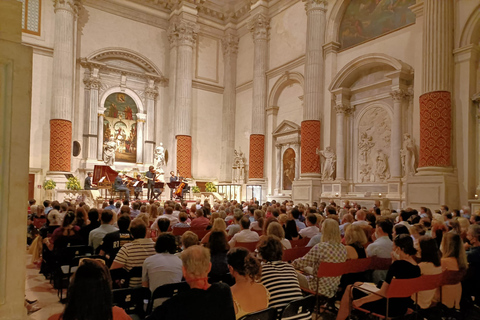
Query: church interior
x,y
288,100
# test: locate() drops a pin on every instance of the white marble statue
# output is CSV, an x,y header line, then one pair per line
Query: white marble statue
x,y
328,168
365,145
408,155
238,168
109,152
160,156
382,171
365,172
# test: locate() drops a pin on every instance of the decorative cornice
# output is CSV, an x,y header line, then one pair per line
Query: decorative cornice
x,y
417,8
259,26
331,47
230,44
207,86
315,5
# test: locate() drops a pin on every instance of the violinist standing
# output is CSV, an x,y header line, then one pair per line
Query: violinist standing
x,y
150,175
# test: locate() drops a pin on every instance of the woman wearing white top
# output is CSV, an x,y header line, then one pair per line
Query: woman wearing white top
x,y
429,265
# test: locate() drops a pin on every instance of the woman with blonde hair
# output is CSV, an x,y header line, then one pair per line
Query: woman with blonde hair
x,y
275,229
257,225
453,259
330,249
218,225
355,239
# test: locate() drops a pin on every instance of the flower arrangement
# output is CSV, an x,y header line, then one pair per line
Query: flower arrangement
x,y
73,184
49,184
195,189
210,187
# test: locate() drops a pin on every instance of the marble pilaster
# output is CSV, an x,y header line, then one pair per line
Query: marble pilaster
x,y
101,116
170,123
340,109
476,101
150,95
399,98
272,113
230,50
141,118
278,173
92,84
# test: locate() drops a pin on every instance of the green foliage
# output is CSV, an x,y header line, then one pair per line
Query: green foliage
x,y
195,189
73,184
49,184
210,187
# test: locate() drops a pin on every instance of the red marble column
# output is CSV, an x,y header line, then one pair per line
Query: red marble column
x,y
60,145
257,153
310,141
184,156
435,129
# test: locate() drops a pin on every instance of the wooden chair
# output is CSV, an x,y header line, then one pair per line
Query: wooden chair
x,y
132,300
179,231
295,253
251,246
304,306
300,242
166,291
267,314
200,232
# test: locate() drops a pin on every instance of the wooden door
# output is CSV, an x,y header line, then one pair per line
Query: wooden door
x,y
31,186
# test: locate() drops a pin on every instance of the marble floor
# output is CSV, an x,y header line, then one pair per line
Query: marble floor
x,y
38,288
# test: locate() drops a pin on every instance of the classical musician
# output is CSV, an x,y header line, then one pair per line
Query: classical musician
x,y
119,185
150,175
138,187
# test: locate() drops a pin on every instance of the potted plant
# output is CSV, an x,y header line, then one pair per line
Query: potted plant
x,y
210,187
195,189
73,184
49,186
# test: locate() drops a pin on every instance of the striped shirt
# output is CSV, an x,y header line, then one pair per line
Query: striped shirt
x,y
281,281
133,254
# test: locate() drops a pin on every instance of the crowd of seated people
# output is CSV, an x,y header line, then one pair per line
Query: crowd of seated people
x,y
155,237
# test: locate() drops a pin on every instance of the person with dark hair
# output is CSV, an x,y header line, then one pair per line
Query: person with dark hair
x,y
399,229
96,235
403,267
403,217
381,247
296,216
93,224
48,206
248,295
200,221
471,283
218,245
133,254
245,234
66,235
113,241
429,265
90,295
291,230
162,225
111,205
135,210
163,267
279,277
311,230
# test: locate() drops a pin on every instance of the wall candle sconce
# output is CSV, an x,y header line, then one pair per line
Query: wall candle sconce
x,y
476,196
336,194
380,195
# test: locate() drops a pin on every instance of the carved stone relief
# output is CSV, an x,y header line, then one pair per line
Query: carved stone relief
x,y
373,148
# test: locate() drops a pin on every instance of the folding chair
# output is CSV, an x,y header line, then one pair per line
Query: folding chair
x,y
120,278
167,291
200,232
179,231
300,242
294,253
266,314
251,246
298,307
132,300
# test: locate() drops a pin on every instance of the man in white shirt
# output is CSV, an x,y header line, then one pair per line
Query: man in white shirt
x,y
360,216
168,214
245,235
381,247
311,230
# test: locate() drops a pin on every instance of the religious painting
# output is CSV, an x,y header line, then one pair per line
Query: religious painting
x,y
367,19
120,125
288,168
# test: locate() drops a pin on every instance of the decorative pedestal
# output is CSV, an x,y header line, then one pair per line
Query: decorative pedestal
x,y
306,190
432,190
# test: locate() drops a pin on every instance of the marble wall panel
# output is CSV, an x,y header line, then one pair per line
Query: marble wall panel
x,y
207,58
245,59
243,120
290,106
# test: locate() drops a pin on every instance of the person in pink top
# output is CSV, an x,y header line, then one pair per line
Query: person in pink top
x,y
200,220
90,295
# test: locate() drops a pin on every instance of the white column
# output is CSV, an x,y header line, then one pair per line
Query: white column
x,y
230,50
92,85
101,115
140,136
186,36
259,26
150,95
169,122
278,176
340,147
272,113
399,96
